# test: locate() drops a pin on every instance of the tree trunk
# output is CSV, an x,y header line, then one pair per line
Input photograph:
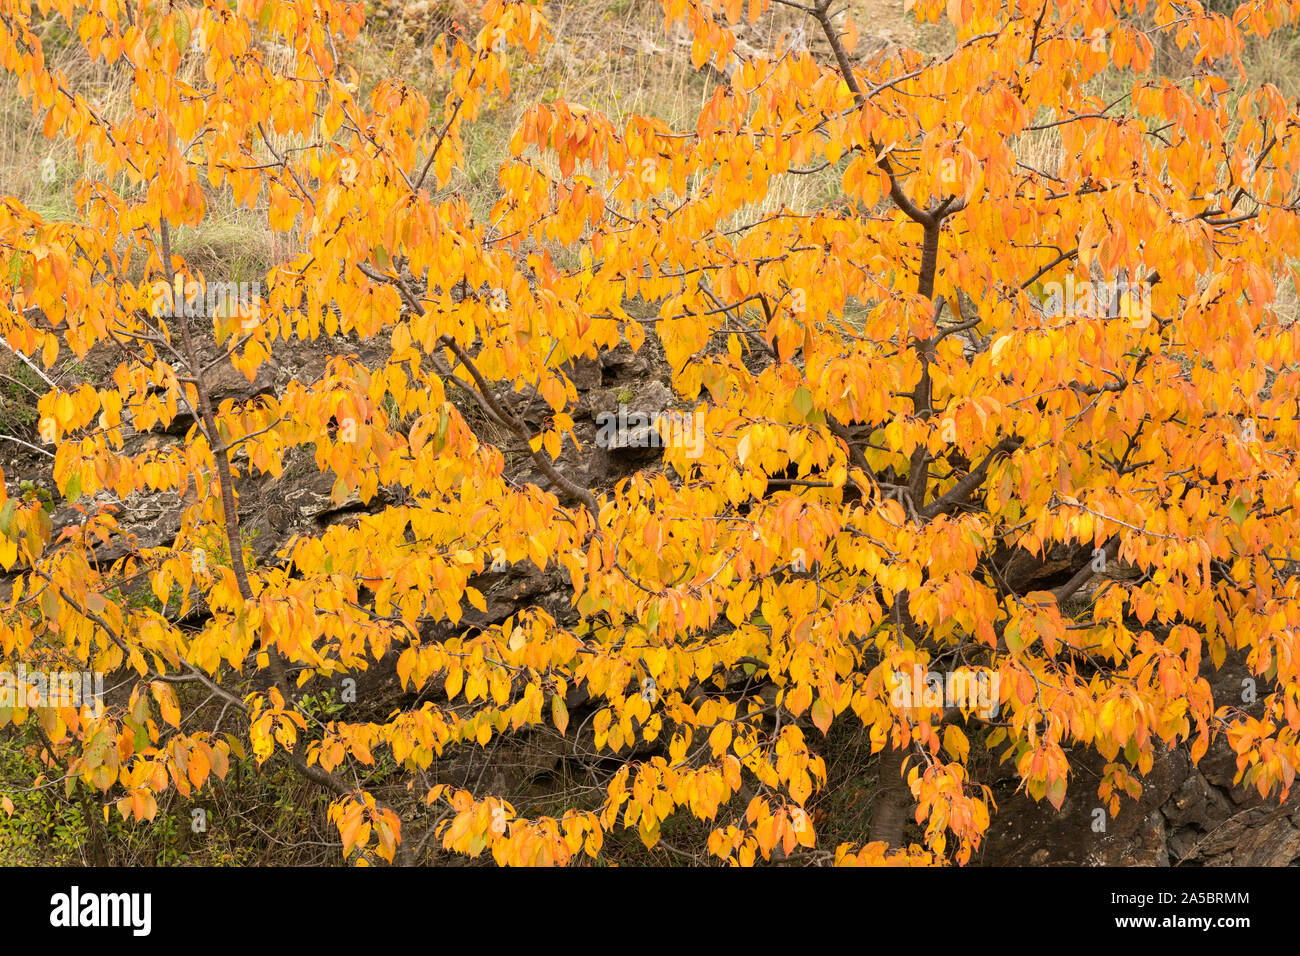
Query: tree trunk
x,y
892,805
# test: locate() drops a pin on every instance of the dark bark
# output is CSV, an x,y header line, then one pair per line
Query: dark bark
x,y
891,806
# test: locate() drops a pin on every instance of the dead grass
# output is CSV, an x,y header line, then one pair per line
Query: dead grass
x,y
615,57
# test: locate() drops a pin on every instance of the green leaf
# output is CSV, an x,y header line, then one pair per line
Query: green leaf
x,y
7,518
181,33
94,753
236,747
439,437
803,401
1238,510
72,490
1012,636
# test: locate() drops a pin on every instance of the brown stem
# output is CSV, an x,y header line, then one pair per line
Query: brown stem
x,y
915,213
965,486
494,409
1086,573
230,513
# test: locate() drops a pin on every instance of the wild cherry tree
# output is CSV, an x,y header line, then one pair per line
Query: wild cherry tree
x,y
933,409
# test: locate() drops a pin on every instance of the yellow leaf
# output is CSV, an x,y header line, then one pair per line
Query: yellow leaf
x,y
560,714
822,714
167,705
955,742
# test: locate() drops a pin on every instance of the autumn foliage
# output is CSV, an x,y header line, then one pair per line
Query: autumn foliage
x,y
896,426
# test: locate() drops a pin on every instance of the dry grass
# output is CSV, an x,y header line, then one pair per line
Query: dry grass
x,y
613,57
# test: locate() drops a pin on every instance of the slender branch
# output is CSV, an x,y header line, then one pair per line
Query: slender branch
x,y
495,410
28,362
230,513
1085,573
19,441
913,211
962,490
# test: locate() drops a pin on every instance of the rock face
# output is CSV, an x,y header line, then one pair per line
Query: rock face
x,y
1186,815
1180,820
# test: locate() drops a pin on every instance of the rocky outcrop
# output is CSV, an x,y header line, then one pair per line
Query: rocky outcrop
x,y
1186,815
